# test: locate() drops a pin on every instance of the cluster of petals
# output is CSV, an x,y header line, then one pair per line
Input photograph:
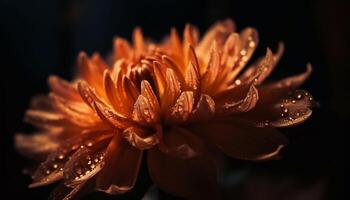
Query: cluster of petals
x,y
173,103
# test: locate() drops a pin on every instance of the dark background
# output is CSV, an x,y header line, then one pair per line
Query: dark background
x,y
40,37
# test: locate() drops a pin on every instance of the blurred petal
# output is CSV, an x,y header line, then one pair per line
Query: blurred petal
x,y
35,146
191,178
76,112
122,49
121,169
242,140
63,88
62,192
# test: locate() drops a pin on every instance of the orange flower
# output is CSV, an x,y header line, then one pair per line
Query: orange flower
x,y
176,99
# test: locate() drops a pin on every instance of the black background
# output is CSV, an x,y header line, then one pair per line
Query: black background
x,y
40,37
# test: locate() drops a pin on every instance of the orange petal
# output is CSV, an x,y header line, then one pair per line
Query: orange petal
x,y
143,112
231,51
172,90
176,45
41,102
237,100
91,72
204,110
249,41
159,78
219,32
83,165
284,112
191,178
182,108
192,79
77,112
46,120
212,71
63,88
190,35
35,146
140,138
181,143
259,64
52,169
242,140
138,40
121,169
111,117
62,192
280,88
122,49
147,91
112,93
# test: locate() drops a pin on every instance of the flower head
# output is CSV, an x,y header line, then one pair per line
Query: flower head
x,y
176,100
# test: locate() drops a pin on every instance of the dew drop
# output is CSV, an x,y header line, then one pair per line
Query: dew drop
x,y
61,156
47,172
237,82
89,144
293,101
285,110
299,96
266,122
310,98
55,166
282,115
281,106
243,52
251,44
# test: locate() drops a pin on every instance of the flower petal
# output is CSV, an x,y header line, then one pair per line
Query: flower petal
x,y
63,88
204,110
191,35
35,146
181,143
182,108
62,192
219,32
141,138
249,41
108,115
52,169
172,90
148,93
212,71
281,88
284,112
121,169
82,166
242,140
122,49
191,178
76,112
265,64
237,100
146,110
